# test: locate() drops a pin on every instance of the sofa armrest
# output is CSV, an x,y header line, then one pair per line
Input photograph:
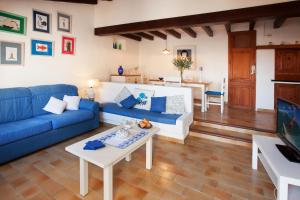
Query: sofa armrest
x,y
185,119
89,105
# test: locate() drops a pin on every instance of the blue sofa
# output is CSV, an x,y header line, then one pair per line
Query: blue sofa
x,y
25,127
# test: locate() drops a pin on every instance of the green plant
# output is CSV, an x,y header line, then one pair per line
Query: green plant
x,y
182,63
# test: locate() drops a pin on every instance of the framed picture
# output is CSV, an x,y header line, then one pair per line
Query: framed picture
x,y
41,21
186,51
41,47
64,22
68,45
11,53
10,22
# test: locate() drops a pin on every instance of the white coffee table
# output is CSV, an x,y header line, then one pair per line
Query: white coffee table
x,y
107,157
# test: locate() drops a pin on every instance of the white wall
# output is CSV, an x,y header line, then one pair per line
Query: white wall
x,y
94,56
126,11
212,55
265,72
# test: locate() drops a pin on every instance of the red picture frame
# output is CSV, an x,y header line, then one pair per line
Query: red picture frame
x,y
68,45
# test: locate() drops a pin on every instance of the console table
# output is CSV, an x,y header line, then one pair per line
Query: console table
x,y
127,78
284,174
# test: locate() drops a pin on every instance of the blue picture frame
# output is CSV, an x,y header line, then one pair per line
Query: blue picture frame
x,y
41,47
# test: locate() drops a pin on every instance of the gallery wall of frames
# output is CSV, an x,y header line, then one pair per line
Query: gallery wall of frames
x,y
12,53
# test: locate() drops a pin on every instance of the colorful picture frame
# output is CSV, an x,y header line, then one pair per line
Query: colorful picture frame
x,y
41,21
188,51
12,23
64,22
11,53
68,45
41,47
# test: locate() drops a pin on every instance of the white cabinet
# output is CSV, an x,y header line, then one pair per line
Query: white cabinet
x,y
126,78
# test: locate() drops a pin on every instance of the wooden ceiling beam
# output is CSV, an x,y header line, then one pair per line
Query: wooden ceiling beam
x,y
132,36
287,9
78,1
174,33
159,34
228,27
145,35
208,31
190,32
251,25
278,22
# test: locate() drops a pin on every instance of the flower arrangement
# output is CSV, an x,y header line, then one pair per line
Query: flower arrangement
x,y
182,63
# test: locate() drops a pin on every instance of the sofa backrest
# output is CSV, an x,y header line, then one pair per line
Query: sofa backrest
x,y
109,90
41,95
15,104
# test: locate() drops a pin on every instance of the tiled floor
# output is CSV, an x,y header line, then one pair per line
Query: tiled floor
x,y
200,169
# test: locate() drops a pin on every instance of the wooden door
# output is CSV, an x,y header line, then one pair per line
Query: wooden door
x,y
287,68
241,72
290,92
287,64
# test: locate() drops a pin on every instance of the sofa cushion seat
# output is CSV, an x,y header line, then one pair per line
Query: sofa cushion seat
x,y
13,131
68,118
113,108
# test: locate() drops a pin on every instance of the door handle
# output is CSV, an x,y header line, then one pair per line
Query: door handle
x,y
253,69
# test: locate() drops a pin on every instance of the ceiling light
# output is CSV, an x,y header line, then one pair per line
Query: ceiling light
x,y
166,50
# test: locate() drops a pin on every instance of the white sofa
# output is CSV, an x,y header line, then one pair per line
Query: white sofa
x,y
109,90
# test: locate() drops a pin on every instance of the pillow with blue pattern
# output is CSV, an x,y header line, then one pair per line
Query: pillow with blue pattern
x,y
144,98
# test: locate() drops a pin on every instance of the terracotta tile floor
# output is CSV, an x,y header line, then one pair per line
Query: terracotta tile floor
x,y
200,169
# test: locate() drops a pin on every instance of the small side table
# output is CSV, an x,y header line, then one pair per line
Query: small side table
x,y
284,174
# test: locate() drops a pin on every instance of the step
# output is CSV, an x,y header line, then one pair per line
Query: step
x,y
227,134
226,127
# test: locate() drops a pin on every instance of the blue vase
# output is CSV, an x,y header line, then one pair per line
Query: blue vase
x,y
120,70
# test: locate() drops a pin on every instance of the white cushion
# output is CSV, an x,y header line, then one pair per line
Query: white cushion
x,y
72,102
122,95
55,106
144,97
175,105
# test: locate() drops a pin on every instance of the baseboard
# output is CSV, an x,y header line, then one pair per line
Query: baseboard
x,y
265,110
169,139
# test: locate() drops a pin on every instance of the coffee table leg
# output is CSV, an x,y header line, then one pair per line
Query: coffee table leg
x,y
254,155
128,158
108,183
149,153
83,177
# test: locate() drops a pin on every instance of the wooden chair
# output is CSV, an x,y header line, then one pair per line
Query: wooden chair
x,y
216,94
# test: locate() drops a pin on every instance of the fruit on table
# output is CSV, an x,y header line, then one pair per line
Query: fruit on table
x,y
145,123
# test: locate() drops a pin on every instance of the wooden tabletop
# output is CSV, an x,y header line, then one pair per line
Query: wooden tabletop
x,y
125,75
183,82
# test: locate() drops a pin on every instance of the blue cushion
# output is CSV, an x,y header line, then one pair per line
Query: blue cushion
x,y
68,118
13,131
42,94
158,104
139,113
15,104
129,102
214,93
